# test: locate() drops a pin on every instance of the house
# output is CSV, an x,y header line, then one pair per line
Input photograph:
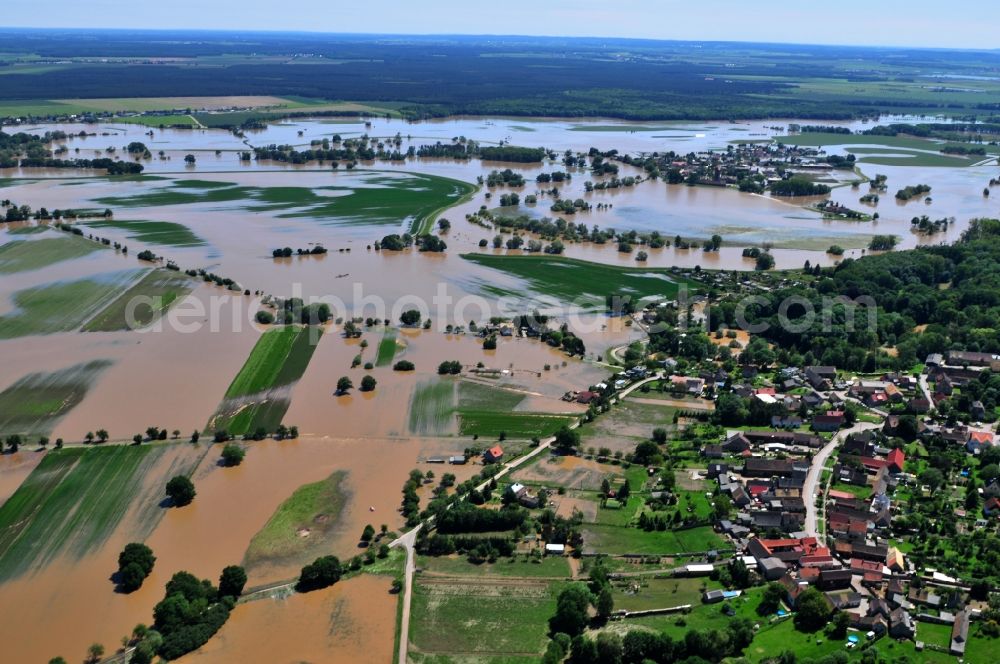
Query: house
x,y
736,444
587,396
712,451
896,459
831,421
713,596
821,377
555,549
458,460
834,579
901,624
978,411
767,467
960,633
934,360
965,358
991,507
786,422
493,454
918,405
977,441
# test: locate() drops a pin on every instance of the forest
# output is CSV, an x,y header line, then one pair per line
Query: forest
x,y
436,76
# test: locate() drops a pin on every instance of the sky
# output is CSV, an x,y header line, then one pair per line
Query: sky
x,y
926,23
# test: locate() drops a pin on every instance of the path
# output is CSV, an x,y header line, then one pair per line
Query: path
x,y
816,471
922,380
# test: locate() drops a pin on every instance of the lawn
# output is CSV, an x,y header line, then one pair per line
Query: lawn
x,y
521,566
25,255
661,593
71,503
163,233
494,616
33,405
257,397
571,279
387,348
62,306
620,540
702,616
778,637
143,303
934,634
302,527
160,120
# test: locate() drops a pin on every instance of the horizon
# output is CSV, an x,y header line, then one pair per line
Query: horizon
x,y
490,35
912,25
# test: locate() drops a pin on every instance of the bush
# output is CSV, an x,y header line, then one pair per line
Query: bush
x,y
232,455
403,365
368,384
409,317
265,317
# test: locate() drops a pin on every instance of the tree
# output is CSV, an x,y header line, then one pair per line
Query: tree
x,y
232,455
567,439
409,317
771,599
189,159
14,443
811,611
102,435
180,490
659,435
572,605
368,384
137,439
605,603
838,628
89,437
444,225
135,563
231,581
368,534
343,384
490,342
95,652
320,573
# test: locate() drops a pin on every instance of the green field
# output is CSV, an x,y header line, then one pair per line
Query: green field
x,y
72,502
163,233
259,397
489,617
490,423
62,306
432,407
312,510
570,278
364,198
33,405
387,348
143,303
25,255
159,120
657,593
523,567
619,540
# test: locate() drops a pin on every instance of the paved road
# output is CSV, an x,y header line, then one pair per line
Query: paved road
x,y
407,541
816,471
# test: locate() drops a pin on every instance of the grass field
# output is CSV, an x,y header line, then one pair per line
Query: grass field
x,y
364,198
546,567
62,306
662,593
163,233
33,405
490,617
571,278
618,540
143,303
258,396
387,348
300,530
72,502
26,255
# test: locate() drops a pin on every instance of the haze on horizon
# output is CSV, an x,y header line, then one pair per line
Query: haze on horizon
x,y
909,23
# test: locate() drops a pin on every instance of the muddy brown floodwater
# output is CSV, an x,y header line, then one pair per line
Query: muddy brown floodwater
x,y
351,622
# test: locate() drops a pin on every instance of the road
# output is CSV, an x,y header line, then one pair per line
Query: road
x,y
922,380
816,471
408,540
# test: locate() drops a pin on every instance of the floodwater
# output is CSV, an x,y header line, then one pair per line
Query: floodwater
x,y
352,621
